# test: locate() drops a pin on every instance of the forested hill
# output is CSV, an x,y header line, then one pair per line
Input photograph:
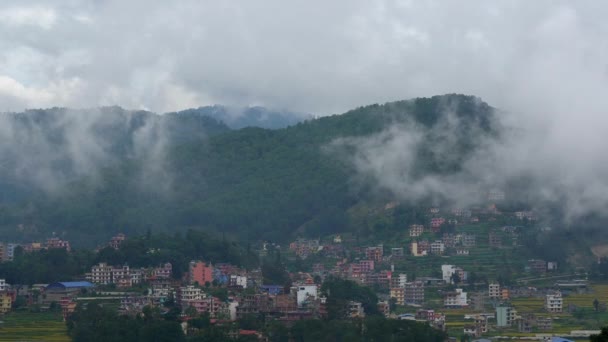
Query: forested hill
x,y
252,183
241,117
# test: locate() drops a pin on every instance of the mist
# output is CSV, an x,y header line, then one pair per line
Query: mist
x,y
48,149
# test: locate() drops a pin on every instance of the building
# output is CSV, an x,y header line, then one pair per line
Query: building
x,y
101,274
374,253
416,230
238,281
494,239
537,266
455,299
305,293
468,240
398,280
414,293
355,309
163,271
447,273
56,292
188,294
397,253
55,242
525,215
122,276
419,248
7,251
437,247
3,286
462,251
436,223
505,316
117,240
399,294
554,302
200,272
494,291
272,289
6,301
304,247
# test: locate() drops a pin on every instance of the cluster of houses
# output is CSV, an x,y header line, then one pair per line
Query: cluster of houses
x,y
7,249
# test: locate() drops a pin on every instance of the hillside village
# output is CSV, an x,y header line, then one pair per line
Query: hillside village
x,y
463,271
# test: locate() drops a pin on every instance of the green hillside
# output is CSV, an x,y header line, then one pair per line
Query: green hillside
x,y
252,183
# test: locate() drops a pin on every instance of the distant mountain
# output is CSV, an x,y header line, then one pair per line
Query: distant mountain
x,y
88,174
237,118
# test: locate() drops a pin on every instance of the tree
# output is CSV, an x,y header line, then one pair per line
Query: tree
x,y
602,337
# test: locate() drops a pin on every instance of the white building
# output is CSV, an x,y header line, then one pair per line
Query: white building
x,y
416,230
455,299
2,285
554,302
190,293
447,271
237,280
399,280
101,274
437,247
304,292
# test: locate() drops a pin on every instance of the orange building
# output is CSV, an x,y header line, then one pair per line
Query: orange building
x,y
199,272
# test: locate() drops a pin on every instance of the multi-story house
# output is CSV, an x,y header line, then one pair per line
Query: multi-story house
x,y
455,299
420,248
505,316
6,301
374,253
7,251
437,247
494,291
436,223
200,272
416,230
399,294
397,253
304,247
101,274
449,240
528,215
398,280
554,302
494,239
117,240
468,240
414,292
55,242
537,266
3,285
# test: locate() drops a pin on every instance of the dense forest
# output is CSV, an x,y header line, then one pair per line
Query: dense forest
x,y
187,171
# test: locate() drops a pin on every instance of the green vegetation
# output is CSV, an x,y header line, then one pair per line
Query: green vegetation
x,y
27,326
252,183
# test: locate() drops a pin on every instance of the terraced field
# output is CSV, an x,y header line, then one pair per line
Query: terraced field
x,y
27,326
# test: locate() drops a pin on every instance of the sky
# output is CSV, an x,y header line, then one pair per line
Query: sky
x,y
309,56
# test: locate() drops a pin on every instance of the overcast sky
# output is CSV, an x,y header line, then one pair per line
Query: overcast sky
x,y
314,56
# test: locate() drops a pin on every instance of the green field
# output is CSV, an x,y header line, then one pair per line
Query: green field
x,y
28,326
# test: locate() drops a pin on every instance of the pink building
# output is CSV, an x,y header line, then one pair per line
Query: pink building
x,y
117,240
57,243
199,272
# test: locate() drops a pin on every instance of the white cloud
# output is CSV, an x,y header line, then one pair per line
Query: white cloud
x,y
42,17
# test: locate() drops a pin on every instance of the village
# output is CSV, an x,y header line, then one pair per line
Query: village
x,y
463,272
